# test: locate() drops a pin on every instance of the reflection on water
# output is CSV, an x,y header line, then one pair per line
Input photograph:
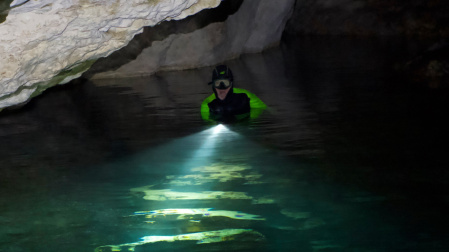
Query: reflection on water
x,y
189,213
201,238
348,157
167,194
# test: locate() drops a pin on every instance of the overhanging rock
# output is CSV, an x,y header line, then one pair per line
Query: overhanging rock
x,y
256,26
49,42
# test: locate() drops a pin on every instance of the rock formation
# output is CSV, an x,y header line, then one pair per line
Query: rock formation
x,y
254,27
45,43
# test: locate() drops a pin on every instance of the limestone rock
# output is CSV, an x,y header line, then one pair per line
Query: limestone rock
x,y
49,42
256,26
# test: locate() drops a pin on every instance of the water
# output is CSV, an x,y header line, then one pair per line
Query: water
x,y
348,157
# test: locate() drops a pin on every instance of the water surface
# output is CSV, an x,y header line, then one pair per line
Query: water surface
x,y
349,156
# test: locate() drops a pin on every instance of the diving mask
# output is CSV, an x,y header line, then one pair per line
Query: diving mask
x,y
222,83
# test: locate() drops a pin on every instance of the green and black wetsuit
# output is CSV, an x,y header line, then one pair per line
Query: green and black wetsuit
x,y
238,105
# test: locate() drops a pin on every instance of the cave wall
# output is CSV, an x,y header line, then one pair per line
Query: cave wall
x,y
255,26
160,32
50,42
411,18
46,43
421,22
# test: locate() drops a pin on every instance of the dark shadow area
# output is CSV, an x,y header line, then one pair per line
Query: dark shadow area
x,y
430,67
411,19
4,8
77,124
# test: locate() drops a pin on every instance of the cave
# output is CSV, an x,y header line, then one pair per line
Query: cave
x,y
108,144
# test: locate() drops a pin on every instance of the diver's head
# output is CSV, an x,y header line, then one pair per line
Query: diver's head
x,y
222,81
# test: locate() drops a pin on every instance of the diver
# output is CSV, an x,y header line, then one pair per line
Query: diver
x,y
229,104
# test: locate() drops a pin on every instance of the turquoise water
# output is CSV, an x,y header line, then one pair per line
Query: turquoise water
x,y
348,157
